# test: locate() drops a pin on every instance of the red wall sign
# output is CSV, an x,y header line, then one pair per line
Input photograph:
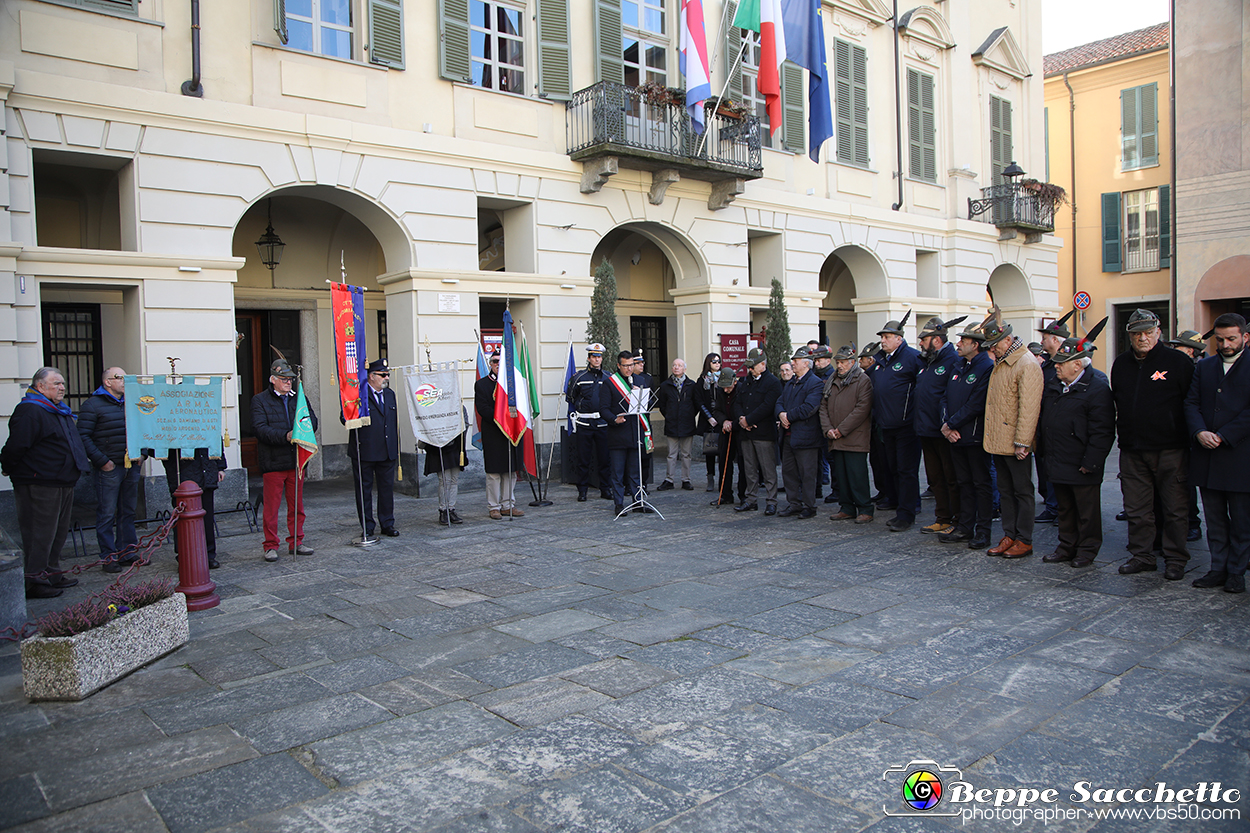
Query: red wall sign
x,y
733,352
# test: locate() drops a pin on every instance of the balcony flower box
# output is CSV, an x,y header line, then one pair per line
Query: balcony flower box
x,y
74,667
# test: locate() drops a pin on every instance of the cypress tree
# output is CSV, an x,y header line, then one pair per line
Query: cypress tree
x,y
602,325
777,336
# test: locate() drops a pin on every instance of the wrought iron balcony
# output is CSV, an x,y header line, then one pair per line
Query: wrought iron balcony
x,y
1014,205
619,121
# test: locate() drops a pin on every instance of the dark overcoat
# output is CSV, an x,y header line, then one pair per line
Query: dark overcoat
x,y
1076,430
1220,403
499,455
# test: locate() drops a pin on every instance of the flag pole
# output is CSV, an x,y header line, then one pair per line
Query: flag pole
x,y
728,77
551,452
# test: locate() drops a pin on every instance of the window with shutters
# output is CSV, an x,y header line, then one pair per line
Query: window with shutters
x,y
752,98
497,44
1139,127
1140,231
333,28
1000,138
850,72
129,8
921,126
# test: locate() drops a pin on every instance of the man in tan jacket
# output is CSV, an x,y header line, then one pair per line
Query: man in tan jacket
x,y
1012,406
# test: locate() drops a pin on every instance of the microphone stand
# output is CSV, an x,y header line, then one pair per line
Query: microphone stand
x,y
640,500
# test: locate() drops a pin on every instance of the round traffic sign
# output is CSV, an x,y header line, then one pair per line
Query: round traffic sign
x,y
1081,300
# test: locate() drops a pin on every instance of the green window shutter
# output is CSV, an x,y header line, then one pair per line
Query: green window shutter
x,y
1165,226
859,85
1111,258
454,63
1000,137
843,125
921,127
386,33
793,135
555,67
1130,100
1148,132
609,57
733,45
279,19
126,7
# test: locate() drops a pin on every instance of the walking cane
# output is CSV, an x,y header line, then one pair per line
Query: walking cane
x,y
724,467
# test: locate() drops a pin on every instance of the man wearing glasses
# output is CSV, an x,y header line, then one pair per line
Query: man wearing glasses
x,y
102,426
374,450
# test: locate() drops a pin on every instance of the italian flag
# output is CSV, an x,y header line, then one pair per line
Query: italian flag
x,y
764,16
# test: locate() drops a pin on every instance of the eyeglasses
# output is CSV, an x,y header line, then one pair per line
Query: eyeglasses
x,y
383,375
117,377
715,361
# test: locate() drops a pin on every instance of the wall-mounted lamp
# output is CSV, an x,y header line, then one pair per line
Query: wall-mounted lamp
x,y
637,256
568,286
735,294
805,299
270,245
451,280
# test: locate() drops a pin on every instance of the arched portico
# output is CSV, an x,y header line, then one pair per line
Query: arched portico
x,y
854,301
1011,291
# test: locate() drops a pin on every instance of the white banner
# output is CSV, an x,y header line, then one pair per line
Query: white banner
x,y
434,402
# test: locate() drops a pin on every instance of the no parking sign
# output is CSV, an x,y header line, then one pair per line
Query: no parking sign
x,y
1081,300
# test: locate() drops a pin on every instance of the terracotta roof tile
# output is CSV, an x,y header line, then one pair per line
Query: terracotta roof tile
x,y
1108,49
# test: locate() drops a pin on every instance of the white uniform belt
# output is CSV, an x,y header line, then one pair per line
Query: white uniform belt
x,y
585,415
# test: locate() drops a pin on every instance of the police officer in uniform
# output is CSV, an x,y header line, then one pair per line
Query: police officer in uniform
x,y
590,438
378,452
940,360
893,407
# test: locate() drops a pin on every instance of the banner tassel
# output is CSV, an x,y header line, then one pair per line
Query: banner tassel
x,y
399,470
126,460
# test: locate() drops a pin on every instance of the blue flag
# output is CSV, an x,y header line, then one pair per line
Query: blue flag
x,y
805,46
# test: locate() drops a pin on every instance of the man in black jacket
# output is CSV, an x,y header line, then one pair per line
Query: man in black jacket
x,y
757,431
44,458
1150,382
102,426
205,472
273,419
374,451
590,433
676,399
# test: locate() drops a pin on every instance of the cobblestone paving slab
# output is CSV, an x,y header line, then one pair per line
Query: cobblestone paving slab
x,y
130,813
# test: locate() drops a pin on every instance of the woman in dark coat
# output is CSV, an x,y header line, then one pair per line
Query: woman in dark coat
x,y
705,398
1076,431
447,461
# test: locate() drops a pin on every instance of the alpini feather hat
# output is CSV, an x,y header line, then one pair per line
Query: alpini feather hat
x,y
1076,348
895,327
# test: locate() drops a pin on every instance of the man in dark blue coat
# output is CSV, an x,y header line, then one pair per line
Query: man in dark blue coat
x,y
374,451
798,411
754,410
102,426
963,427
677,403
893,406
1217,414
590,437
940,360
626,432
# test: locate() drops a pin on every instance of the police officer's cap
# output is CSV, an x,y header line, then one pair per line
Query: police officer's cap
x,y
378,366
282,369
595,349
895,327
1142,321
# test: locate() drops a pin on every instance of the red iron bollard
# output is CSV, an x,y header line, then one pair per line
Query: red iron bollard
x,y
193,580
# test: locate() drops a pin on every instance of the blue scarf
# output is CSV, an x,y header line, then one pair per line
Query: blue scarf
x,y
68,431
103,391
34,397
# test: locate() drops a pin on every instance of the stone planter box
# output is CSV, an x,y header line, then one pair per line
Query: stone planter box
x,y
74,667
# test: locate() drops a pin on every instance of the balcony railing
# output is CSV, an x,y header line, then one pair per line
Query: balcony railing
x,y
616,120
1013,205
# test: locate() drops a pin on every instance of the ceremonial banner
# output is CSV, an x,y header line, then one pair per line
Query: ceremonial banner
x,y
162,416
434,402
483,370
347,307
302,433
512,406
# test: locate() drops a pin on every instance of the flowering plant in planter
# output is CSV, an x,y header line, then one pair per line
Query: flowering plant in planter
x,y
1048,191
116,601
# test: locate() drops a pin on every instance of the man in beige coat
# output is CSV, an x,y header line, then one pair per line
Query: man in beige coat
x,y
846,423
1012,407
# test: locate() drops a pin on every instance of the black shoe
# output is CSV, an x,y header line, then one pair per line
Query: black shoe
x,y
807,513
927,494
443,520
1056,557
618,508
687,487
1047,516
1121,515
899,524
954,536
109,566
666,486
1130,567
1211,579
887,507
455,519
1195,534
42,591
63,581
770,510
787,512
877,498
997,513
391,533
581,497
746,507
979,542
213,563
1173,572
1235,584
605,496
718,502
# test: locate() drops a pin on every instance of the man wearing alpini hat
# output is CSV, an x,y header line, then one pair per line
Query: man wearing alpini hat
x,y
758,393
1013,404
893,409
940,360
1150,381
273,420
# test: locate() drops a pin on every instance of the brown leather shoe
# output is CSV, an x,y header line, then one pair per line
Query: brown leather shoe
x,y
496,515
514,512
863,519
841,516
1019,550
1002,547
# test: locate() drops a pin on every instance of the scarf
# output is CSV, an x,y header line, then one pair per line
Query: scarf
x,y
66,426
103,391
34,397
1016,344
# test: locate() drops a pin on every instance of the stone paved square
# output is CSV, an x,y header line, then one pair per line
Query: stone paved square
x,y
501,676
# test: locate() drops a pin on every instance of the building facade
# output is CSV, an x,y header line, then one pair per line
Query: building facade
x,y
1108,144
1212,161
431,151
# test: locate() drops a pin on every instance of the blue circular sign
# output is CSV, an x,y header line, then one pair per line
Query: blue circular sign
x,y
1081,300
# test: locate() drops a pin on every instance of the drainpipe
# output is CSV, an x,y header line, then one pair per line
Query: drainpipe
x,y
1072,157
1172,153
898,117
193,87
